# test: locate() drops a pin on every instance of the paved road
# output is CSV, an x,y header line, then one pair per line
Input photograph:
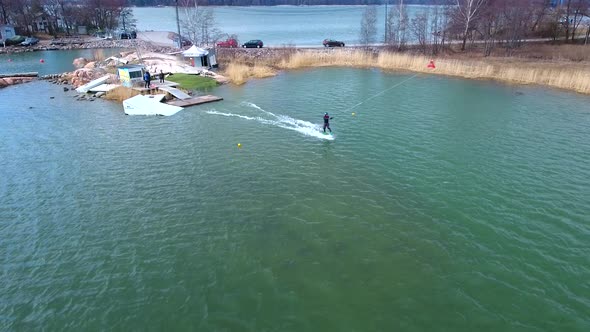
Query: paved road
x,y
159,38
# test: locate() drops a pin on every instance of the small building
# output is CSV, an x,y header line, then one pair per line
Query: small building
x,y
200,57
6,31
41,23
130,74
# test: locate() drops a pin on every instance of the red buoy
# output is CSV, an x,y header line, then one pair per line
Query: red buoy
x,y
42,61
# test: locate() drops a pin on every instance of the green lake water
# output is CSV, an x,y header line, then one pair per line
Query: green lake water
x,y
442,205
54,62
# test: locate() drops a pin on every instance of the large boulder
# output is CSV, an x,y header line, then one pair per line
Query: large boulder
x,y
80,62
90,65
84,75
113,79
7,81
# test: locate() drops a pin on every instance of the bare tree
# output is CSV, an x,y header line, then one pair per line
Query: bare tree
x,y
566,22
555,24
4,10
104,14
23,15
540,9
127,21
368,31
515,21
419,28
53,10
467,12
397,23
438,27
199,23
489,26
580,9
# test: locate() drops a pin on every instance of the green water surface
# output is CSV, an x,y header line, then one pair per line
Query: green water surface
x,y
442,205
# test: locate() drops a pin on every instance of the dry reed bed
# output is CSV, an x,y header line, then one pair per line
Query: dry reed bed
x,y
239,73
572,76
120,93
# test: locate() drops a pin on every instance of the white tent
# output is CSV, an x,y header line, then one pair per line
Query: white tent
x,y
200,57
195,52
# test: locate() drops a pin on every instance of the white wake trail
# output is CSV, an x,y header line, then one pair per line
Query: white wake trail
x,y
282,121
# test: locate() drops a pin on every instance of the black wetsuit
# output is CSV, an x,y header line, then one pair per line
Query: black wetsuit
x,y
327,122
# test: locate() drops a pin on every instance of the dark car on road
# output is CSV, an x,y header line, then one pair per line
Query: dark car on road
x,y
30,41
332,43
254,43
128,35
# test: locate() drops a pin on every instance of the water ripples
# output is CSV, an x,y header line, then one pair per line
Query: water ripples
x,y
441,201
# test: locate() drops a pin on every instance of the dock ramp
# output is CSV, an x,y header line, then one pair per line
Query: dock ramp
x,y
86,87
175,92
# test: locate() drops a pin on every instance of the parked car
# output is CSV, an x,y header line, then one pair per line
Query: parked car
x,y
127,35
332,43
256,43
14,40
30,41
104,35
231,43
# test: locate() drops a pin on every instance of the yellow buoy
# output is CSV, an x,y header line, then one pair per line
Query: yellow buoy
x,y
239,145
353,113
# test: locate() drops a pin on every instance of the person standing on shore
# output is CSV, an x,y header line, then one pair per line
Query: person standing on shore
x,y
161,76
147,78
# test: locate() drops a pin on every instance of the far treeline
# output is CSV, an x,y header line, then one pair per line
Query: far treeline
x,y
477,24
480,24
151,3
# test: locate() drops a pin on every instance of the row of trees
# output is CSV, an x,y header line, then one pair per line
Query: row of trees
x,y
486,22
52,16
273,2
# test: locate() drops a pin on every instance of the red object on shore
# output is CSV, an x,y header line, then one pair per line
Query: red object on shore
x,y
42,61
431,64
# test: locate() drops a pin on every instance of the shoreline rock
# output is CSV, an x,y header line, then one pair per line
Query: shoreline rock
x,y
9,81
65,44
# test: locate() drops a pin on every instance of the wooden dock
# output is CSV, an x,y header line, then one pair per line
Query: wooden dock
x,y
194,101
155,87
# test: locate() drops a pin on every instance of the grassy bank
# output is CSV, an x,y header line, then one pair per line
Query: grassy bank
x,y
192,82
563,74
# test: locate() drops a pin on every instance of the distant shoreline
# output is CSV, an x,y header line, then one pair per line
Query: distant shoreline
x,y
240,65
